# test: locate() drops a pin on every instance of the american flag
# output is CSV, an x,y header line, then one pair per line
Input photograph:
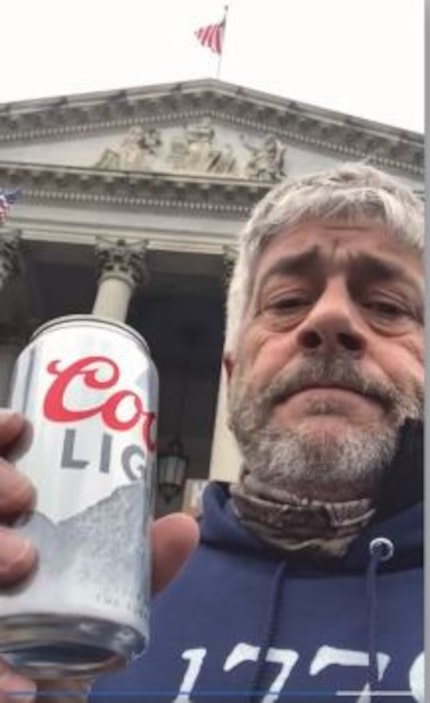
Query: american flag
x,y
7,198
212,36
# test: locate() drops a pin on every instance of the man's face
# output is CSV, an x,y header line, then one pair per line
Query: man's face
x,y
330,358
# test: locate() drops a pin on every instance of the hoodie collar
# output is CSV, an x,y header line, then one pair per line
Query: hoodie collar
x,y
402,482
398,517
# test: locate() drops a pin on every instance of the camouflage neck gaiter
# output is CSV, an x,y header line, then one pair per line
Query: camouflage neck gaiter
x,y
292,524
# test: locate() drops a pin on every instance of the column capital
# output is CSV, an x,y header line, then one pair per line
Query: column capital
x,y
9,254
122,258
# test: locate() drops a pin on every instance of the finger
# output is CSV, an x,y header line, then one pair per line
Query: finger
x,y
11,426
17,557
14,687
173,539
16,491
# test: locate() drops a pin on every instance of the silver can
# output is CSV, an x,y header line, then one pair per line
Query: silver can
x,y
89,392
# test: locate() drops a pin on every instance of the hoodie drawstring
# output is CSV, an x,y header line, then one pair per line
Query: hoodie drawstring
x,y
381,549
270,630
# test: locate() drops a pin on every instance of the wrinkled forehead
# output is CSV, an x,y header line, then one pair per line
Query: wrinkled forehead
x,y
337,245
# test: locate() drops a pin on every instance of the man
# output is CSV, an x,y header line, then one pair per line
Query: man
x,y
307,582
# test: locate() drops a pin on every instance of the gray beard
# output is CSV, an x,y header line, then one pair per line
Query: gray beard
x,y
346,467
317,466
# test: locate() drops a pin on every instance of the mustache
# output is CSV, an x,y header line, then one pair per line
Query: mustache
x,y
329,373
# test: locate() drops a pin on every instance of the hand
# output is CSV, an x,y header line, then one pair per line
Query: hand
x,y
173,539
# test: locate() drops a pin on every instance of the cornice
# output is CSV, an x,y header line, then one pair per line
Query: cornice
x,y
193,194
323,130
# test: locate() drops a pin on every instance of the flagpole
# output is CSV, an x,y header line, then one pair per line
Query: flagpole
x,y
224,23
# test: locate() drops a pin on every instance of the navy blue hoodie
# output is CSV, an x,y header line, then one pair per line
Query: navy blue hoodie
x,y
245,623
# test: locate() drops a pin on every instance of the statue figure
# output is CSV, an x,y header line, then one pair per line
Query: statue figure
x,y
267,159
109,160
199,139
200,132
197,150
150,140
224,161
132,154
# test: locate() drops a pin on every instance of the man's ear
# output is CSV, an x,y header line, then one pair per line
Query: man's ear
x,y
228,363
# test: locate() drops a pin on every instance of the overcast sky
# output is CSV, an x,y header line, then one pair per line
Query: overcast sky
x,y
361,57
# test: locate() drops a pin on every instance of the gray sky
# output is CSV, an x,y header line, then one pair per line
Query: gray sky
x,y
362,57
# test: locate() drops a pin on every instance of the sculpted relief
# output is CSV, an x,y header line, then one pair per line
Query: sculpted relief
x,y
133,153
267,159
198,150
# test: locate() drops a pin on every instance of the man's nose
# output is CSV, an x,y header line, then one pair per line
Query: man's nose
x,y
333,325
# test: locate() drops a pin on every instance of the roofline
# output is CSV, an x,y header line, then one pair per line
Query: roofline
x,y
240,92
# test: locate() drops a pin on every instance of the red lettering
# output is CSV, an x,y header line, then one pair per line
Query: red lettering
x,y
109,411
147,429
54,408
88,369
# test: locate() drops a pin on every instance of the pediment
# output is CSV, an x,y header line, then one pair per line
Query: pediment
x,y
198,127
202,144
201,147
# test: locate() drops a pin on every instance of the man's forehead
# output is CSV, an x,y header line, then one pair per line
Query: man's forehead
x,y
338,240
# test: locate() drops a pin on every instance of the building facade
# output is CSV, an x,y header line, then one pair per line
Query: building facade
x,y
129,205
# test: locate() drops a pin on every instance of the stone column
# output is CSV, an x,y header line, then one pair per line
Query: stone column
x,y
121,268
11,342
9,350
9,255
225,456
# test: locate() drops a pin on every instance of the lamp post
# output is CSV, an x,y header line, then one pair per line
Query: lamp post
x,y
173,462
172,468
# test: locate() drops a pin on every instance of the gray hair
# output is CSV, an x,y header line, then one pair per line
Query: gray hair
x,y
350,191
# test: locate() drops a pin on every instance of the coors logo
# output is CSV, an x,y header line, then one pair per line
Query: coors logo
x,y
54,407
92,386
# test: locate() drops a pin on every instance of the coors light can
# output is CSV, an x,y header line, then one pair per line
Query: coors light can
x,y
89,392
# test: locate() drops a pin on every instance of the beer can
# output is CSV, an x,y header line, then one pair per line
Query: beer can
x,y
89,392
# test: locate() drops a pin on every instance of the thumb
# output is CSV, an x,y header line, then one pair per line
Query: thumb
x,y
173,539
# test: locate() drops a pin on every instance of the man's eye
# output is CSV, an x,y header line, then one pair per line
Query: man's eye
x,y
286,304
384,309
